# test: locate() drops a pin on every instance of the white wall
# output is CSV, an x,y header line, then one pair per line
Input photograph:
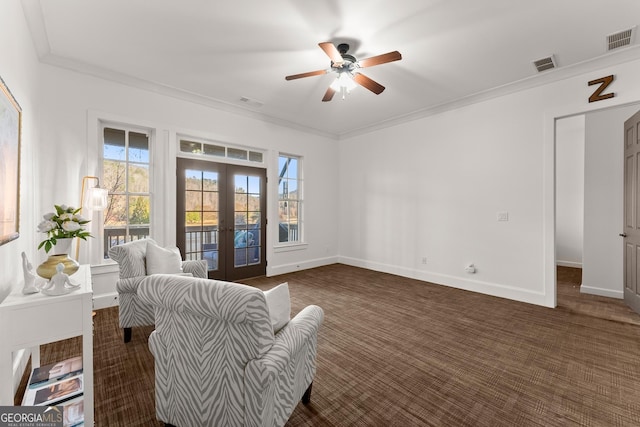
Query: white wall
x,y
60,147
73,102
433,187
19,69
570,135
602,272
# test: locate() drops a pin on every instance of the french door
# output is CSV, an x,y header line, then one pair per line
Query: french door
x,y
221,217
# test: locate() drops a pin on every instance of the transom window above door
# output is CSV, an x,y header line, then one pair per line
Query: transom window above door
x,y
219,150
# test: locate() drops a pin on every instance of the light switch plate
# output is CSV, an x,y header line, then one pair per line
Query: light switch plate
x,y
503,216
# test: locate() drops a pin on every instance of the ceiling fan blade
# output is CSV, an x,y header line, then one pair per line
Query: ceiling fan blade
x,y
380,59
328,95
367,83
332,52
309,74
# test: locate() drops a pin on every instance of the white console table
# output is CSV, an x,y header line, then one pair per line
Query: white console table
x,y
26,321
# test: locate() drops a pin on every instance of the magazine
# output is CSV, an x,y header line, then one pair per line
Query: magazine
x,y
58,391
55,372
73,412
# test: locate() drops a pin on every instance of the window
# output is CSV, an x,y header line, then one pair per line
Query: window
x,y
289,199
125,169
219,149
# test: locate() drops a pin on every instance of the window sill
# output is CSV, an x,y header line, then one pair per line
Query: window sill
x,y
290,247
108,266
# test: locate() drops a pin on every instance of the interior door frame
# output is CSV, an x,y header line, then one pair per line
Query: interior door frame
x,y
549,295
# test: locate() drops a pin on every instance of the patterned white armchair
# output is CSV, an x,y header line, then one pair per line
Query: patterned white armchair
x,y
132,262
217,360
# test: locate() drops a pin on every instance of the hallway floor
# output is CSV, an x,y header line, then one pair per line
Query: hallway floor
x,y
570,298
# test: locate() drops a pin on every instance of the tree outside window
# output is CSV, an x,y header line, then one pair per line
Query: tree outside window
x,y
126,175
289,199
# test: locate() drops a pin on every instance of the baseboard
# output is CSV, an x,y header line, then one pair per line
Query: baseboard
x,y
601,292
105,300
569,264
473,285
290,268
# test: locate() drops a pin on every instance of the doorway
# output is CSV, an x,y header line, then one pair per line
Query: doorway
x,y
221,217
602,251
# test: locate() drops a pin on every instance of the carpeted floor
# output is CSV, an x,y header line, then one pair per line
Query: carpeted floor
x,y
570,298
399,352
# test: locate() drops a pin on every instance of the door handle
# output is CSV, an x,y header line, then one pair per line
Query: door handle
x,y
622,234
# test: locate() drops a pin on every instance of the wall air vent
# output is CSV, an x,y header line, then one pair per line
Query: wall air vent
x,y
620,39
545,64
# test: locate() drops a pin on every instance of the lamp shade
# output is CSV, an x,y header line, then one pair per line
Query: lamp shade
x,y
96,198
343,81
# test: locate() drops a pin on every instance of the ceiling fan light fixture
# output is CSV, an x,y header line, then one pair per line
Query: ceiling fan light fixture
x,y
344,81
347,66
344,84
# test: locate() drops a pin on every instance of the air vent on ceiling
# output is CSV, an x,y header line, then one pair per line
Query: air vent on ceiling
x,y
620,39
252,102
545,64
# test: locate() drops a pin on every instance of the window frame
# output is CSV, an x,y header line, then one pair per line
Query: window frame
x,y
225,152
300,243
128,128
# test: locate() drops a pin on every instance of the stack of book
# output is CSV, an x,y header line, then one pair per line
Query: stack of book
x,y
58,384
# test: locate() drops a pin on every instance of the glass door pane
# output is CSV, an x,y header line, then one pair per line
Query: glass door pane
x,y
201,216
247,224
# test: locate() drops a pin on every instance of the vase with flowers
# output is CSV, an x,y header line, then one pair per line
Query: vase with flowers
x,y
61,227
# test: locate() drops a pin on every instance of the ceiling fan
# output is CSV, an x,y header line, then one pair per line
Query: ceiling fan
x,y
346,66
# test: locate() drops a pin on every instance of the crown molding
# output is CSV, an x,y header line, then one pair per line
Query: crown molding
x,y
608,60
37,27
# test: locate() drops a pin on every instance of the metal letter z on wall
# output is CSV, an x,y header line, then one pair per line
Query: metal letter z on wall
x,y
604,83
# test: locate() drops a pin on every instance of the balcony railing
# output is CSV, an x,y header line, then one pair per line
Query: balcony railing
x,y
197,238
118,236
288,232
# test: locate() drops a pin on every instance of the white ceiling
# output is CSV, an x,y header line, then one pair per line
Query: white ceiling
x,y
216,52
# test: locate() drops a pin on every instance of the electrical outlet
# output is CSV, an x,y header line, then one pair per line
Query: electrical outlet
x,y
424,260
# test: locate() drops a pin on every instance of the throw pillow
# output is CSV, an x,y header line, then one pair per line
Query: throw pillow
x,y
279,305
163,260
130,257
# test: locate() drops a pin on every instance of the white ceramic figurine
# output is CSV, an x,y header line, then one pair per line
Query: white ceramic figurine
x,y
58,283
32,282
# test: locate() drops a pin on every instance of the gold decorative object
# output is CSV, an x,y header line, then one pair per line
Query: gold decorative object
x,y
48,268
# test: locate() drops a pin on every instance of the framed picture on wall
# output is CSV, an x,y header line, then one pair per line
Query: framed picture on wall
x,y
10,125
